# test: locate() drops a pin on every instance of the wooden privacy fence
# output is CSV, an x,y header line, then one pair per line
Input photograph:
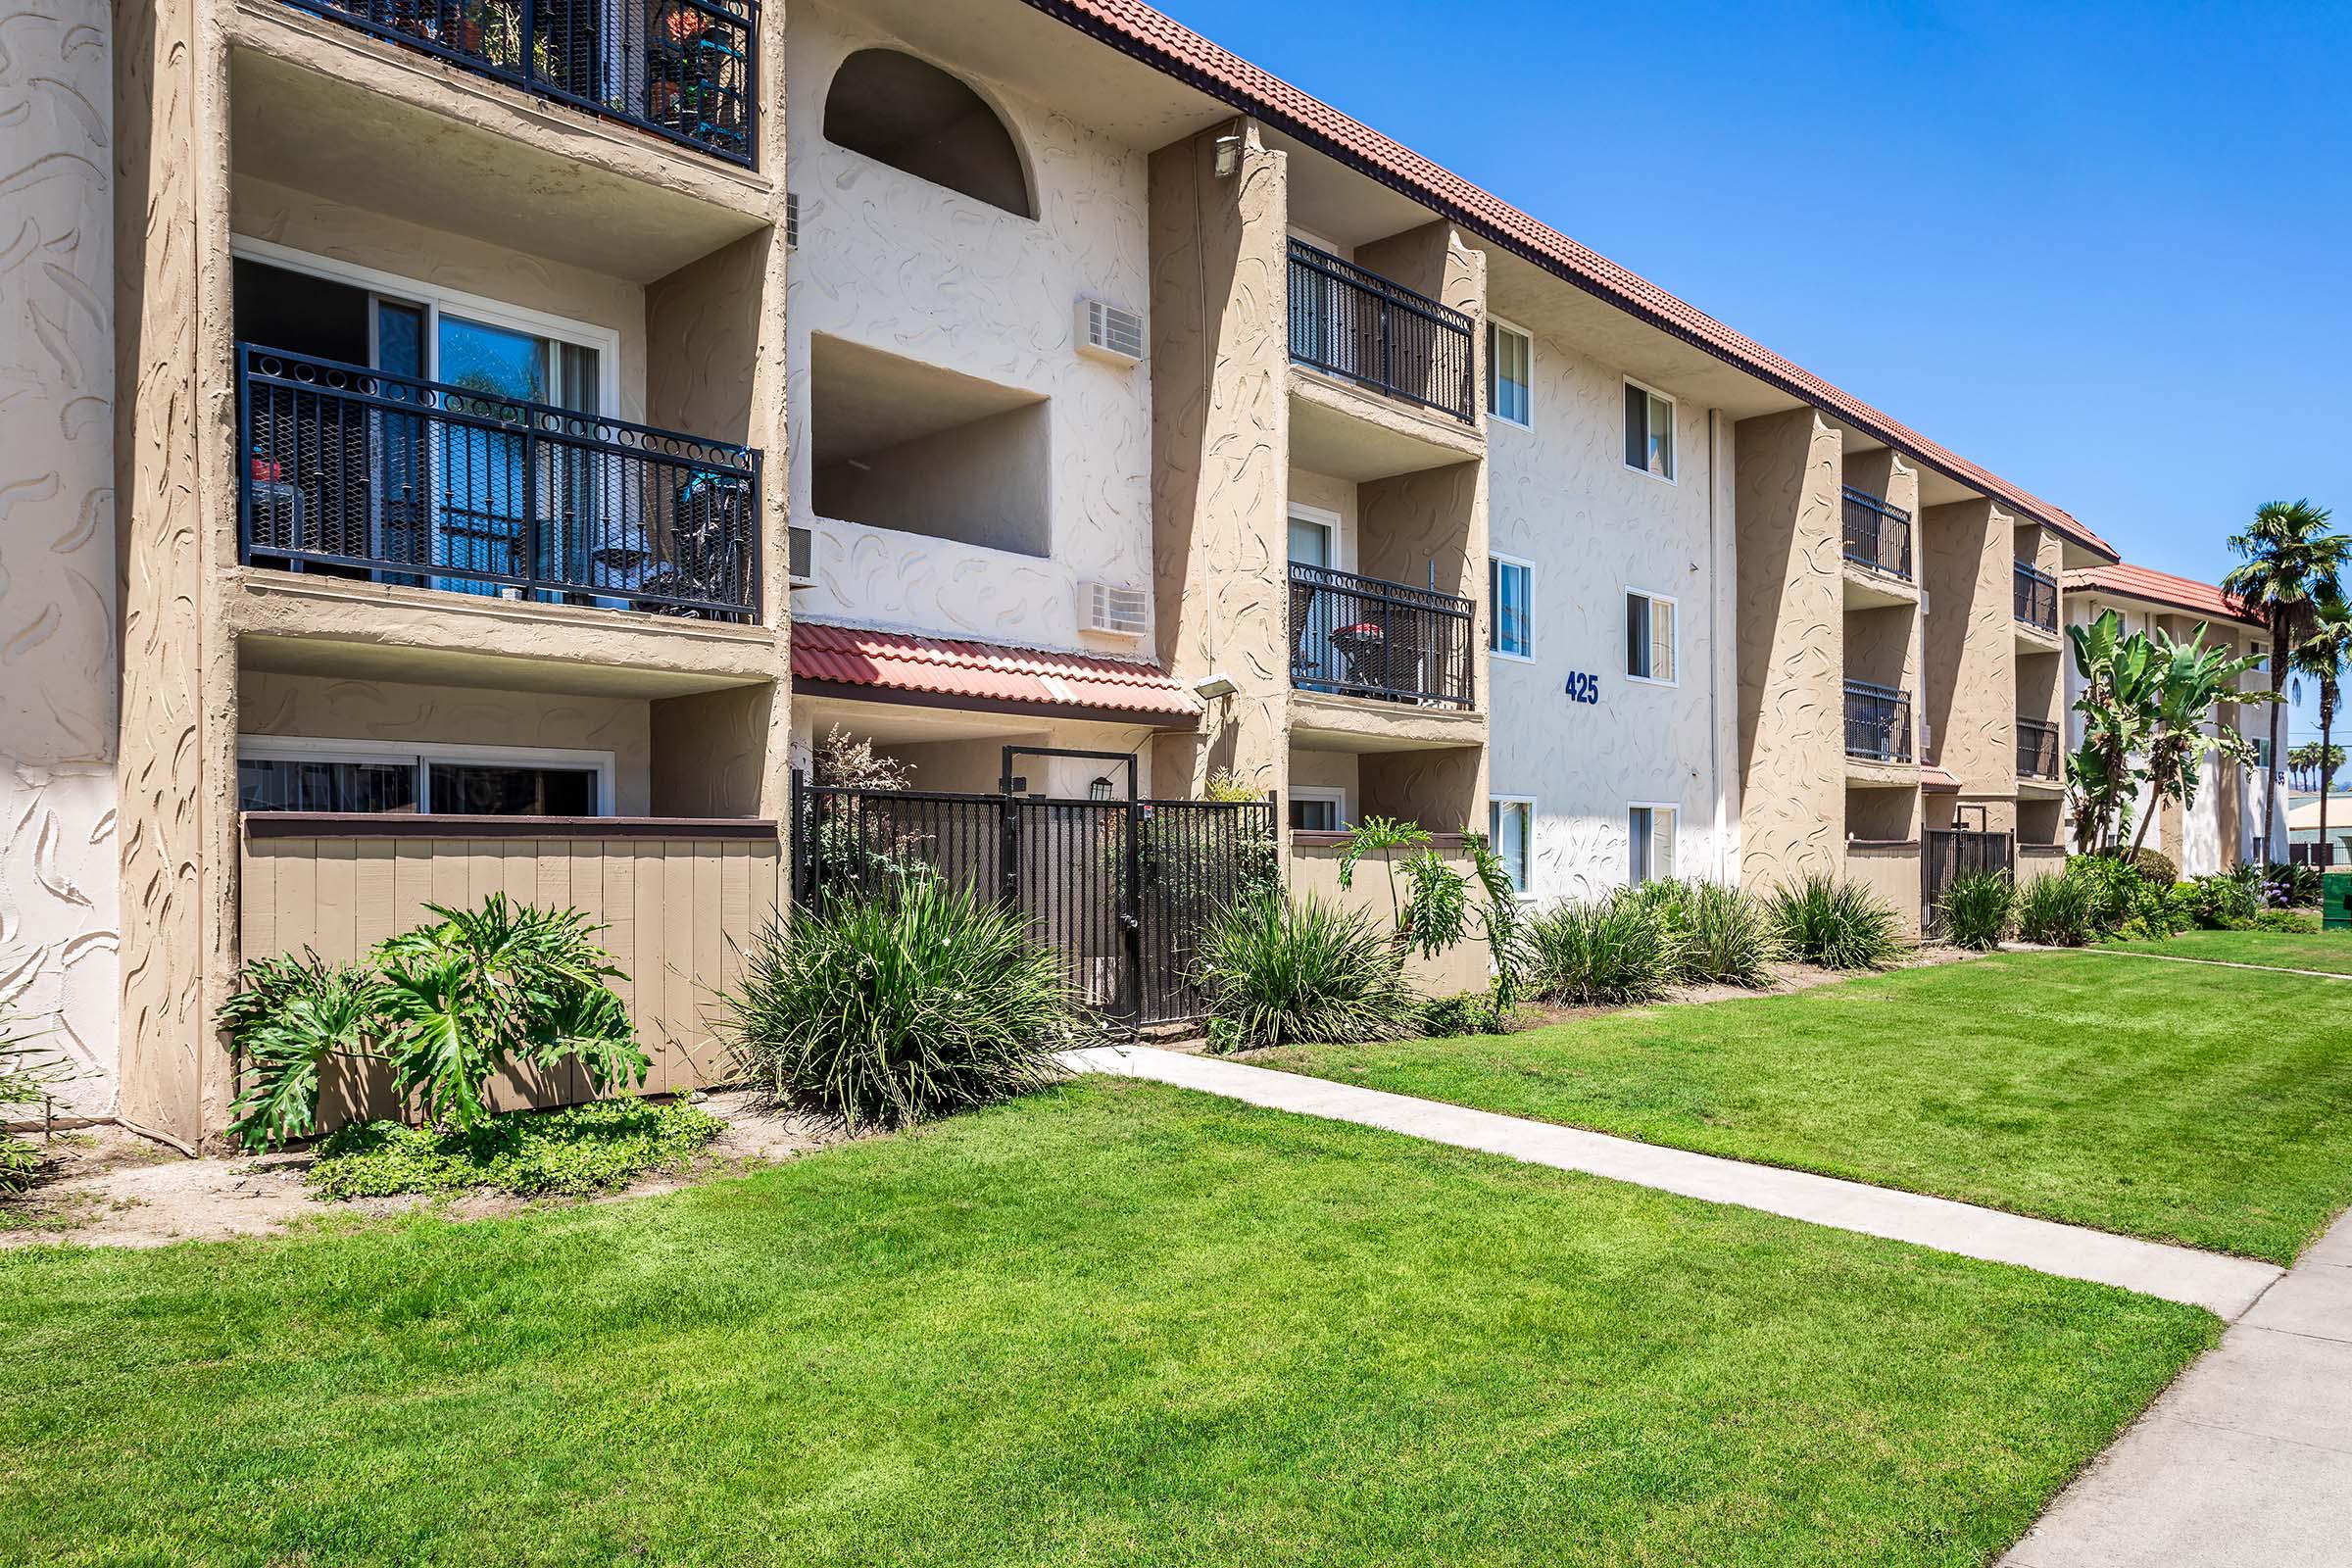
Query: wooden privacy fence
x,y
680,899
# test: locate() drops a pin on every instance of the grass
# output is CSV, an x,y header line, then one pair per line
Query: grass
x,y
2326,951
2210,1106
1110,1324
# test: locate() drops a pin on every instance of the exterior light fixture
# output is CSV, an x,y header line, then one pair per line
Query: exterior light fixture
x,y
1099,790
1229,157
1214,687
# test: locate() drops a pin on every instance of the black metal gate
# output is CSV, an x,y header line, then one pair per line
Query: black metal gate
x,y
1121,889
1951,854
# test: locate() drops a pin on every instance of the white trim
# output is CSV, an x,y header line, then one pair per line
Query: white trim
x,y
324,748
1527,883
1494,614
1343,554
435,298
1528,423
1652,680
1673,812
1671,402
1335,795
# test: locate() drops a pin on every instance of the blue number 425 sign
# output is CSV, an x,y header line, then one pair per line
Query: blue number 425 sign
x,y
1583,687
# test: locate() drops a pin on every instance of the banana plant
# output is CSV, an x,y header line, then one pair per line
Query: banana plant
x,y
2117,705
2189,682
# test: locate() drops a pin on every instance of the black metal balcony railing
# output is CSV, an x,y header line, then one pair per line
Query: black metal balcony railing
x,y
2037,748
1877,535
359,472
1362,637
1360,325
688,69
1878,722
2037,598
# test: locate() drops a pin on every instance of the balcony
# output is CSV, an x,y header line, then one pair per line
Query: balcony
x,y
2036,598
1878,722
687,71
357,473
1878,536
2037,748
1357,324
1362,637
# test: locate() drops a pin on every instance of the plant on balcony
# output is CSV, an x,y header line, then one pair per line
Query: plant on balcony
x,y
445,1007
1838,926
1977,910
1282,970
884,1011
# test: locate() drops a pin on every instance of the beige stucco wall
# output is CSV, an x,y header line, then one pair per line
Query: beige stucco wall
x,y
1314,872
1220,439
275,704
1970,680
927,273
58,596
1893,874
1791,647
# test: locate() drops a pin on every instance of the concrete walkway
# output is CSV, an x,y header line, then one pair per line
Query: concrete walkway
x,y
2225,1286
2248,1460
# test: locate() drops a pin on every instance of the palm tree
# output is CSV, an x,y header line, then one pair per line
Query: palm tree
x,y
2291,560
2323,655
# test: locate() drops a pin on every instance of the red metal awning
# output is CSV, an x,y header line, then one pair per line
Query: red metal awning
x,y
901,667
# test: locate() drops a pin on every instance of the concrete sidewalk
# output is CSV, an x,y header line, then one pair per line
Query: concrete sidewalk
x,y
2247,1462
2225,1286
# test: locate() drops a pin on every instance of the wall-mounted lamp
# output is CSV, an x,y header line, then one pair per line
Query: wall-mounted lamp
x,y
1215,686
1099,790
1229,157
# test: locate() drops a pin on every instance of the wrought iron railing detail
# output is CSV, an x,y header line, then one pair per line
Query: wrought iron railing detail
x,y
1877,535
2037,598
1878,722
1362,637
2037,748
687,70
1360,324
357,473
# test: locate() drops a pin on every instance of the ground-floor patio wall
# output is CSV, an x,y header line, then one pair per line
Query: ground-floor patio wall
x,y
1314,871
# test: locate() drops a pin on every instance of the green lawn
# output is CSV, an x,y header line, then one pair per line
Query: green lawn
x,y
2330,950
2206,1105
1114,1324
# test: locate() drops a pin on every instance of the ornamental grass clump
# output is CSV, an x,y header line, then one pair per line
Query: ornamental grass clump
x,y
1606,951
2057,911
1282,970
894,1009
1724,938
1838,926
1977,910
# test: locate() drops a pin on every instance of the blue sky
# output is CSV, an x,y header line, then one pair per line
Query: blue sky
x,y
2104,250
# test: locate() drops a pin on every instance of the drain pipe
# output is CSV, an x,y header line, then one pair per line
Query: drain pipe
x,y
1714,647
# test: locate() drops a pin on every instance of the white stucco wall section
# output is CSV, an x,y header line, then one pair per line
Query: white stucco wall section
x,y
57,876
896,264
1561,496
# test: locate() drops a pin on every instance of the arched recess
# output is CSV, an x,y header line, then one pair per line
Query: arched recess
x,y
915,116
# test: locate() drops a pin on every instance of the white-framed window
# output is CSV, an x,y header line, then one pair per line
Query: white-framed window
x,y
1317,810
1648,430
1649,650
1511,598
1510,373
301,774
1512,831
1649,833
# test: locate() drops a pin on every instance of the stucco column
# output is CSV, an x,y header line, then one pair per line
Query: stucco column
x,y
1971,697
1220,448
1791,649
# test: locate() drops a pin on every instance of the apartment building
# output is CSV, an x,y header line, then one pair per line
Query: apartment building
x,y
540,425
2224,828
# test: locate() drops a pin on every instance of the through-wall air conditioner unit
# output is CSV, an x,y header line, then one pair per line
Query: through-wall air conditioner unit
x,y
1106,332
800,558
1111,609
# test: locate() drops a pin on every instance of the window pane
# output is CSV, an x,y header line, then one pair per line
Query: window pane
x,y
471,790
1661,438
1637,635
1314,817
1509,362
292,785
1511,586
1661,640
1509,825
1661,845
1637,822
1636,428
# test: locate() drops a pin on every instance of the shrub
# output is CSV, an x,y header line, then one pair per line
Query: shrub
x,y
1467,1012
1977,910
1281,971
2109,885
447,1006
2056,911
1725,937
27,1072
557,1153
1609,951
2221,903
2288,921
891,1010
2154,865
1838,926
2291,887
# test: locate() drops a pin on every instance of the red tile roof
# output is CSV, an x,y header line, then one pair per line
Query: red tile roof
x,y
990,673
1936,781
2163,588
1168,46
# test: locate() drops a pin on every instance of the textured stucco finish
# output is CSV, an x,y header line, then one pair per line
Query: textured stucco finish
x,y
1791,649
58,596
1314,872
1971,697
